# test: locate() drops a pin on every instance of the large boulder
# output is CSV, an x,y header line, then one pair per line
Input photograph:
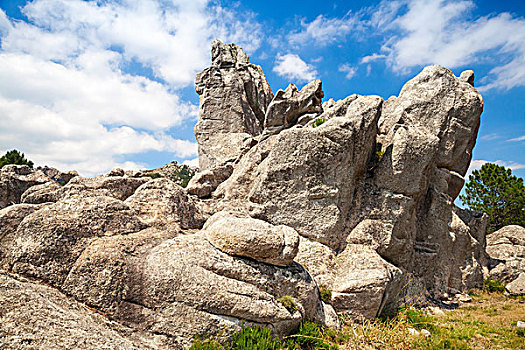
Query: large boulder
x,y
163,204
36,316
240,235
506,248
48,242
234,96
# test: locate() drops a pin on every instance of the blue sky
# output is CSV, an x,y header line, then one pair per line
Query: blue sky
x,y
93,85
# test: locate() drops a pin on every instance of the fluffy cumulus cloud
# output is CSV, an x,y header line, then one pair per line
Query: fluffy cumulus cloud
x,y
68,97
293,67
422,32
439,31
323,31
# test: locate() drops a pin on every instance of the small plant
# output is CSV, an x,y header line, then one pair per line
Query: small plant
x,y
326,294
254,338
288,303
317,122
182,176
61,182
309,335
493,286
153,176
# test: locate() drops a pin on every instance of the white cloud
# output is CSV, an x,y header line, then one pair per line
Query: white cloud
x,y
490,137
293,67
67,98
323,31
348,69
440,32
373,57
192,162
521,138
476,164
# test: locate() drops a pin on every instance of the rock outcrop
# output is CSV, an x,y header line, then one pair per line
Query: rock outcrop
x,y
15,180
234,97
506,248
355,196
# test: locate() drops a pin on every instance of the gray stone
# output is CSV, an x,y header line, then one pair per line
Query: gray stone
x,y
234,96
240,235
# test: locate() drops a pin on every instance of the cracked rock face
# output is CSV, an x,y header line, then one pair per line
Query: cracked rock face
x,y
355,196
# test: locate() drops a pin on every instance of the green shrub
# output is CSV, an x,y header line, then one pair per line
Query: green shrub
x,y
493,286
288,303
254,338
153,176
182,176
309,335
15,157
317,122
326,294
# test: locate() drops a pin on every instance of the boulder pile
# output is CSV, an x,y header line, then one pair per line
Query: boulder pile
x,y
293,195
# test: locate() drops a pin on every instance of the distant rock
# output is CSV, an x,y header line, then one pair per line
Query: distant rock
x,y
506,248
15,180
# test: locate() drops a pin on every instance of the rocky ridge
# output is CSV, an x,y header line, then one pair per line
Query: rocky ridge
x,y
355,196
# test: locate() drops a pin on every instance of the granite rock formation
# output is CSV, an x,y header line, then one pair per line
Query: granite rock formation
x,y
355,196
506,248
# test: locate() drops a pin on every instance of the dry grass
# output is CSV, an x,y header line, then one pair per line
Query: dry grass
x,y
488,322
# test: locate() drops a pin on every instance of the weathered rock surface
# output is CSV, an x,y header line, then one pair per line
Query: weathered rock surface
x,y
43,193
15,180
355,196
289,105
163,204
240,235
506,248
234,96
205,182
57,175
35,316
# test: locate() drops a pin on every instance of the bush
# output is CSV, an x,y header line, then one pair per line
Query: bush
x,y
309,335
493,286
254,338
15,157
317,122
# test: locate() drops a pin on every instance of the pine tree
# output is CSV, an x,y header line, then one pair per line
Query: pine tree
x,y
495,191
14,157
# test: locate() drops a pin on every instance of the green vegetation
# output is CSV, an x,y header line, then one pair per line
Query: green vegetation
x,y
182,176
493,286
317,122
488,322
326,294
495,191
152,175
15,157
288,303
